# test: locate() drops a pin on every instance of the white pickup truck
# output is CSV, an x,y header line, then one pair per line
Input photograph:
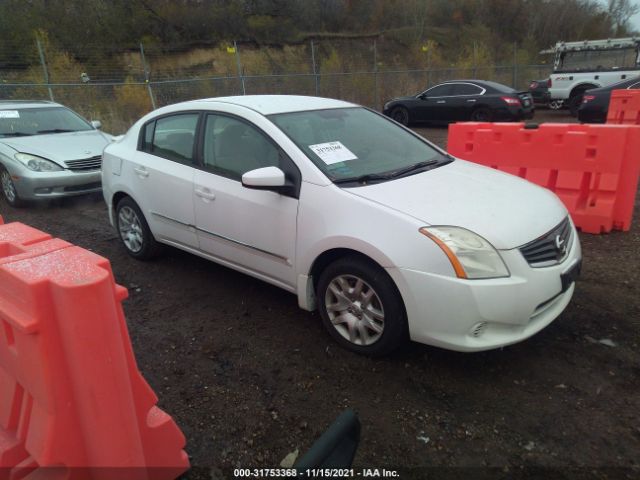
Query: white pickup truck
x,y
580,66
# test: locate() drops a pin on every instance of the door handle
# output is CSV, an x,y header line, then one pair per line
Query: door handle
x,y
141,171
471,100
441,101
205,194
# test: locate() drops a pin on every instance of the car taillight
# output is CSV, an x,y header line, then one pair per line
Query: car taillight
x,y
588,98
533,85
511,100
549,83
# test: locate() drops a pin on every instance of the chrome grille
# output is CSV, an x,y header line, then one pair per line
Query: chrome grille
x,y
92,163
550,249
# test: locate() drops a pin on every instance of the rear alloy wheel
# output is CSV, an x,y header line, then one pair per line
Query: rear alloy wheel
x,y
556,104
134,231
361,307
400,115
482,114
9,189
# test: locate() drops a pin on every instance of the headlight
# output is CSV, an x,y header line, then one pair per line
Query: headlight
x,y
470,255
37,164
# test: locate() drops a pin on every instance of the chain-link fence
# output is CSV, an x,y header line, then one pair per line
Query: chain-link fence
x,y
119,88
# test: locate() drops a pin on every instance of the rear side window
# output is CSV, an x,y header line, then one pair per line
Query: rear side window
x,y
466,89
172,137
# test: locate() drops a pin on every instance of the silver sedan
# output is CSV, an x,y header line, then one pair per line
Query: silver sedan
x,y
47,151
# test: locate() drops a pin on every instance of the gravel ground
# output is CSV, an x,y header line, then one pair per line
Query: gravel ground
x,y
250,377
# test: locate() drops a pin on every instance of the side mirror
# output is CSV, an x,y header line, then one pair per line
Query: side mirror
x,y
267,178
97,124
337,446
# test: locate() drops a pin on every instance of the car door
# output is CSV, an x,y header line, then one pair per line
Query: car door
x,y
162,171
463,98
249,229
434,104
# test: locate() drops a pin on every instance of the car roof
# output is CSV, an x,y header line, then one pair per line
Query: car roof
x,y
272,104
623,84
13,104
486,84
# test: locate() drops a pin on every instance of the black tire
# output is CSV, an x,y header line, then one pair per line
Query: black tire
x,y
8,188
574,104
482,114
401,115
385,298
149,248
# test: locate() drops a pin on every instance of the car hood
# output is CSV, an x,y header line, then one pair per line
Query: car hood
x,y
60,147
506,210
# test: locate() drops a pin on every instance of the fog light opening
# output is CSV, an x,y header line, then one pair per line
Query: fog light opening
x,y
478,329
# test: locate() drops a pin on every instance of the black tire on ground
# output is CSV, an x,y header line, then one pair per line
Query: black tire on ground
x,y
482,114
8,189
574,104
128,212
400,115
356,312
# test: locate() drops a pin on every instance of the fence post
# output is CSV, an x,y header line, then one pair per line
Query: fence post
x,y
240,75
376,93
44,68
515,65
475,59
146,76
315,71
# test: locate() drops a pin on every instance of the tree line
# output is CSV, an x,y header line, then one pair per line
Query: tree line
x,y
77,26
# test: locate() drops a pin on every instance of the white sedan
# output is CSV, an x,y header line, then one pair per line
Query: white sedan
x,y
388,236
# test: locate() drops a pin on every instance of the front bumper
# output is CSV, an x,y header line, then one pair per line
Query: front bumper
x,y
476,315
32,185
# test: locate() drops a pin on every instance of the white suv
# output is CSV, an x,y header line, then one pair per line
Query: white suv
x,y
581,66
386,234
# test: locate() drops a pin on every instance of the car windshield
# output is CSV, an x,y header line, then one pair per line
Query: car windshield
x,y
40,121
356,143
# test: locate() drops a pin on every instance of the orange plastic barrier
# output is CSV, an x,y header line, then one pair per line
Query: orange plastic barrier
x,y
592,168
73,404
624,107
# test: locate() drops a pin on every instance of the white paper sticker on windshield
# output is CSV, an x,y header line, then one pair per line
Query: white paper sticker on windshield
x,y
332,152
9,114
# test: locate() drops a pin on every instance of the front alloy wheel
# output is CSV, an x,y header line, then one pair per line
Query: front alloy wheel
x,y
400,115
9,189
361,307
355,310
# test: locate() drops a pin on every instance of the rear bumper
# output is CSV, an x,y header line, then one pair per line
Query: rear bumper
x,y
592,115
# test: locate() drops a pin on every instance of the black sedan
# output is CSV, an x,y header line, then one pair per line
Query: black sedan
x,y
459,100
595,102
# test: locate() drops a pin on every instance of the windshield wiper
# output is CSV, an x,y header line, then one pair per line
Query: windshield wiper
x,y
412,168
56,130
363,179
16,134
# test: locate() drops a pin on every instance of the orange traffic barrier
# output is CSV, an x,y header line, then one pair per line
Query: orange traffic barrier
x,y
624,107
73,404
592,168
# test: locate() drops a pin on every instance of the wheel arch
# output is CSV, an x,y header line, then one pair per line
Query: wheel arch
x,y
582,87
308,280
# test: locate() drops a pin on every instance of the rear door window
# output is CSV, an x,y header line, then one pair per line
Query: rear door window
x,y
465,89
172,137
